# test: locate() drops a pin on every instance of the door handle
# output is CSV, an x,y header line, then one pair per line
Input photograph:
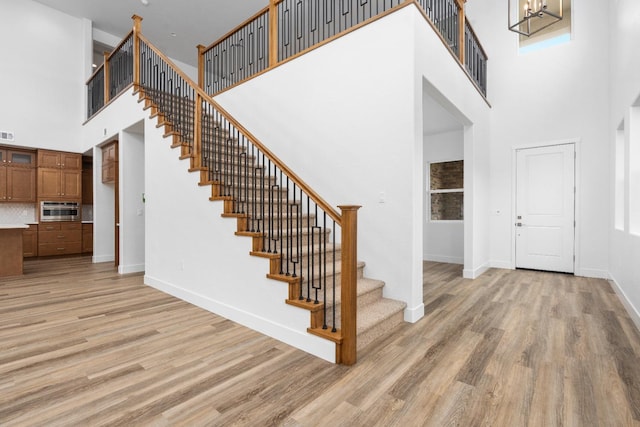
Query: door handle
x,y
519,224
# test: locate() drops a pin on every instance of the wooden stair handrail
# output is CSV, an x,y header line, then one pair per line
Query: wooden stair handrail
x,y
332,212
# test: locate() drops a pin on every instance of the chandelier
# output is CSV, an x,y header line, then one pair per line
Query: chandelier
x,y
534,15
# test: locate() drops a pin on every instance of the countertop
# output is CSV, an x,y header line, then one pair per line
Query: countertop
x,y
12,226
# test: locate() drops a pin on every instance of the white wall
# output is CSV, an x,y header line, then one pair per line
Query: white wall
x,y
107,126
624,251
355,131
42,72
194,254
559,93
443,240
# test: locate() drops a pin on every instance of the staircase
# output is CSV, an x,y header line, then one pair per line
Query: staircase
x,y
272,213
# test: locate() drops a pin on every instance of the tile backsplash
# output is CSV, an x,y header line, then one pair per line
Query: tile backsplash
x,y
87,212
17,213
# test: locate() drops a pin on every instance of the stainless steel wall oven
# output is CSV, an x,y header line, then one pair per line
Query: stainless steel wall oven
x,y
59,211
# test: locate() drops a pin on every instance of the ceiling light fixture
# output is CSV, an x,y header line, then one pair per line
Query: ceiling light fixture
x,y
534,15
145,2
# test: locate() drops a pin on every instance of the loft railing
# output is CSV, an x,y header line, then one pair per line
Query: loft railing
x,y
475,58
304,24
112,77
241,54
287,28
289,222
95,91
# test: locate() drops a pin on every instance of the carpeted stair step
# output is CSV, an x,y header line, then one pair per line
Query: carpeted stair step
x,y
377,320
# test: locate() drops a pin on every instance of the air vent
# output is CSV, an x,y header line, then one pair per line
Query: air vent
x,y
6,136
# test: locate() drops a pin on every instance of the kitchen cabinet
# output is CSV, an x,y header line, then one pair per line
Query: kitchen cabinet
x,y
87,238
59,175
30,241
59,238
11,259
110,162
59,160
17,176
54,184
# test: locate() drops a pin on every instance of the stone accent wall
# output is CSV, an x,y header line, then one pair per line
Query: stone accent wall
x,y
447,176
447,206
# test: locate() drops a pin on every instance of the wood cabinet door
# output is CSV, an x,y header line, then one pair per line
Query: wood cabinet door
x,y
87,238
21,159
71,184
71,161
30,241
21,184
48,159
48,183
3,183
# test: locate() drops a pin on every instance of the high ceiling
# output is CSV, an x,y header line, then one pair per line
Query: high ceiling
x,y
192,21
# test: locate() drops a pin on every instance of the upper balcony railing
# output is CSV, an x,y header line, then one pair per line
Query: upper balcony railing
x,y
288,28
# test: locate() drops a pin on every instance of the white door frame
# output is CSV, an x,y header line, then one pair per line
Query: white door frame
x,y
576,241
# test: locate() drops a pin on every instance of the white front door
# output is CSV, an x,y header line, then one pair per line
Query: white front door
x,y
545,211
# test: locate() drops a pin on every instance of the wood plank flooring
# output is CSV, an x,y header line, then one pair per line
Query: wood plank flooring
x,y
81,345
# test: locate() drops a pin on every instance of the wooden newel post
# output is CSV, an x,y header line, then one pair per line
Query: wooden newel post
x,y
136,50
106,77
273,32
461,30
201,50
349,274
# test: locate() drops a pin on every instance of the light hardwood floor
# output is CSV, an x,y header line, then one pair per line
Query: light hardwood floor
x,y
81,345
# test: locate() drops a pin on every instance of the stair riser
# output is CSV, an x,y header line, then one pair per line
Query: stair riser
x,y
383,328
258,224
261,190
363,301
312,260
304,240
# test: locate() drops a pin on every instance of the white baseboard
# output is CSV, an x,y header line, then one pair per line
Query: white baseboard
x,y
103,258
443,258
126,269
633,313
476,272
412,315
302,340
592,272
505,265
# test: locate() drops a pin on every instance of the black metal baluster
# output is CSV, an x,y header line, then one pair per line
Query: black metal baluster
x,y
309,275
317,282
264,224
334,232
289,226
322,260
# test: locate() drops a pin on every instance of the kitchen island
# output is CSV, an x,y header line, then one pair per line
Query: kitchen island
x,y
11,249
